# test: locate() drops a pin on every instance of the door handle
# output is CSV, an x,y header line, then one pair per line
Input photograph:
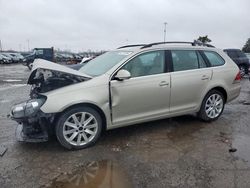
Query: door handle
x,y
204,77
163,83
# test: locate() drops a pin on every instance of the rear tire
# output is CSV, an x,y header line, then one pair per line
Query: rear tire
x,y
79,128
212,106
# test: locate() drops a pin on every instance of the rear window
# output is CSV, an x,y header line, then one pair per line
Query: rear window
x,y
214,58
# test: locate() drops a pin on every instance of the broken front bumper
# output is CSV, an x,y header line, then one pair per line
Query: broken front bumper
x,y
35,128
33,124
21,136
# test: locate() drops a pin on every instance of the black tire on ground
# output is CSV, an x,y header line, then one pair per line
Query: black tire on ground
x,y
66,115
243,70
30,65
202,113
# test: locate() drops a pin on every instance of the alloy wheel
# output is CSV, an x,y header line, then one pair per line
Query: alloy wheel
x,y
214,106
80,128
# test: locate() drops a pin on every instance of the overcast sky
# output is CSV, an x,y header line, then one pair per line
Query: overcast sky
x,y
106,24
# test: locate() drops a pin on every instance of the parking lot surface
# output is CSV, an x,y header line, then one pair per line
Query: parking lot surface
x,y
175,152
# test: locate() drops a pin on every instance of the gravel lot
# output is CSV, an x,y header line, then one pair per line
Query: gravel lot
x,y
175,152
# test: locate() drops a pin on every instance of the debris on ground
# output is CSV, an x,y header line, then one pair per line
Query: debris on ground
x,y
232,150
2,150
246,103
224,137
116,149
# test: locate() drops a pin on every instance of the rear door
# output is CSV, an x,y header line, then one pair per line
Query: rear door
x,y
189,78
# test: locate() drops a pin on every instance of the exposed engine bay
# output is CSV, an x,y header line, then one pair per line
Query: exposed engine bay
x,y
44,80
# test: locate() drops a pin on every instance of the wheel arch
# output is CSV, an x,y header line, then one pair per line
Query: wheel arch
x,y
220,89
85,104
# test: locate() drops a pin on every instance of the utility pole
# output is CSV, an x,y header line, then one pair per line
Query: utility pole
x,y
1,48
28,42
20,47
165,27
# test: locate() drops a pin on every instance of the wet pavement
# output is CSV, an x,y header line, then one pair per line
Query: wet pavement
x,y
175,152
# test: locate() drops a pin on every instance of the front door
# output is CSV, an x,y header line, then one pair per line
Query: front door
x,y
146,94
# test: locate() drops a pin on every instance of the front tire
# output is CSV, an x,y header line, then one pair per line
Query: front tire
x,y
79,128
212,106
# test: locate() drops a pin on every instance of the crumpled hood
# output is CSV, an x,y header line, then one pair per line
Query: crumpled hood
x,y
48,65
47,76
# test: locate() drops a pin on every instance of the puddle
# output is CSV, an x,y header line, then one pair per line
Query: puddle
x,y
12,80
4,101
101,174
183,128
242,144
8,86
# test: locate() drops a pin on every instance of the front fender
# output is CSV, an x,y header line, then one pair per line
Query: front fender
x,y
59,101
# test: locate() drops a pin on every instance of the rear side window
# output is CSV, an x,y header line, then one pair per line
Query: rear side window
x,y
214,58
184,60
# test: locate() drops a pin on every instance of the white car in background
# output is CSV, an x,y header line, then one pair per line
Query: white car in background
x,y
18,56
5,59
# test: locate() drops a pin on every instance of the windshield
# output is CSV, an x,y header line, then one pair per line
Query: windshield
x,y
103,63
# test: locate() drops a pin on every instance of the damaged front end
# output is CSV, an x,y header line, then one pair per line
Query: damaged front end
x,y
33,124
44,80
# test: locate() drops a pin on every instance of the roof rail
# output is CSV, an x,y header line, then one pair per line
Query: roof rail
x,y
195,43
133,45
172,42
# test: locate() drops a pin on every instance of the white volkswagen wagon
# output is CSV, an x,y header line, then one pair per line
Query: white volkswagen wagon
x,y
130,85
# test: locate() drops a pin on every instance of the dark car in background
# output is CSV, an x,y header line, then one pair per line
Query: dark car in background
x,y
240,59
248,55
39,53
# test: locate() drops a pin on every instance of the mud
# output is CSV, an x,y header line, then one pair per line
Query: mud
x,y
175,152
242,143
101,174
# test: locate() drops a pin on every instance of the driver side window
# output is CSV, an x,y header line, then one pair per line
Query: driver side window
x,y
146,64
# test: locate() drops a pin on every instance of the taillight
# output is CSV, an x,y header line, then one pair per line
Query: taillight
x,y
238,77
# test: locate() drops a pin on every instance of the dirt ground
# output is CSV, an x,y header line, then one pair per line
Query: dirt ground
x,y
176,152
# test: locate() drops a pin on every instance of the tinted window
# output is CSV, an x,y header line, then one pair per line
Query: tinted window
x,y
184,60
146,64
39,52
214,58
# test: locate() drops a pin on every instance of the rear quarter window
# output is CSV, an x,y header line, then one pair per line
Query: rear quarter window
x,y
214,58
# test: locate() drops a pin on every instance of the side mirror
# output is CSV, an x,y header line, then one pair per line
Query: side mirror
x,y
122,75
